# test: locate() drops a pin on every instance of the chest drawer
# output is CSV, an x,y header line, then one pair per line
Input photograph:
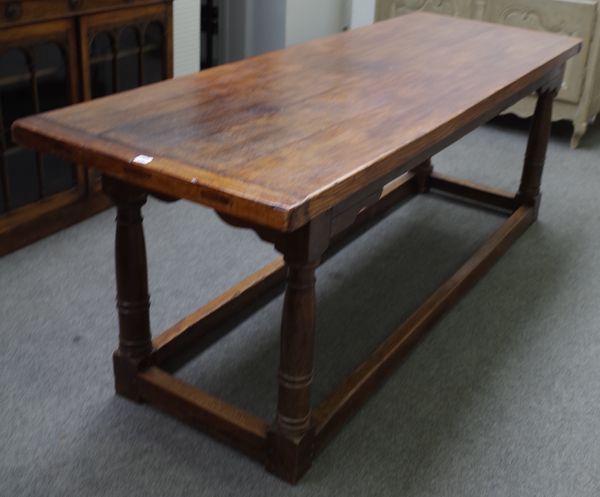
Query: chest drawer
x,y
15,12
568,17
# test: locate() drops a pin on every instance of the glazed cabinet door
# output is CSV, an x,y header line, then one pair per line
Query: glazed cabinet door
x,y
125,49
38,72
386,9
568,17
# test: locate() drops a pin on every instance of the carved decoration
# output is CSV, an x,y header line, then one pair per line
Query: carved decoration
x,y
448,7
531,19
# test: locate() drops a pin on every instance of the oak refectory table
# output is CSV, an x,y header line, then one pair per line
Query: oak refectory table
x,y
302,145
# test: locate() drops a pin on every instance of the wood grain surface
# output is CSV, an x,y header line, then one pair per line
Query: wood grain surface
x,y
278,139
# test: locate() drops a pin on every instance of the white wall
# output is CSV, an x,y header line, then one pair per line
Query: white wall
x,y
186,36
268,25
363,13
309,19
251,27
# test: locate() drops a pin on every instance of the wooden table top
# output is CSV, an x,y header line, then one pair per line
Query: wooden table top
x,y
280,138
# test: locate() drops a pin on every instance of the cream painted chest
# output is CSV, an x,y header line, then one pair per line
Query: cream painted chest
x,y
579,99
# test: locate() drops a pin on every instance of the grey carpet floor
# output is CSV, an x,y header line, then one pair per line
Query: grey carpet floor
x,y
502,398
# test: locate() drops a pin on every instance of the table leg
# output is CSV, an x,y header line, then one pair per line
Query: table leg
x,y
529,189
290,439
422,175
133,301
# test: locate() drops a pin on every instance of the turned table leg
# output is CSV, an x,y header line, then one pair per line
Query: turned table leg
x,y
296,354
539,134
290,437
133,301
422,174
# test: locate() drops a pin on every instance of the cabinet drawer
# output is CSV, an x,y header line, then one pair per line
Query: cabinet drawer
x,y
569,17
386,9
14,12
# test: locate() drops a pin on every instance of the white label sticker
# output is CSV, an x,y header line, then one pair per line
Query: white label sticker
x,y
144,160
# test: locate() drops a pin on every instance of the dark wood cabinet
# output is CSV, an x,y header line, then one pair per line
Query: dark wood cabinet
x,y
54,53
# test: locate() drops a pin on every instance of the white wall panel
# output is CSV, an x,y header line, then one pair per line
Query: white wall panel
x,y
363,13
309,19
186,36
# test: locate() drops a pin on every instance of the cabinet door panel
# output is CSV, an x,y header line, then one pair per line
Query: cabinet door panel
x,y
52,76
22,176
16,90
569,17
125,49
59,175
53,92
37,73
20,182
102,65
129,58
154,47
